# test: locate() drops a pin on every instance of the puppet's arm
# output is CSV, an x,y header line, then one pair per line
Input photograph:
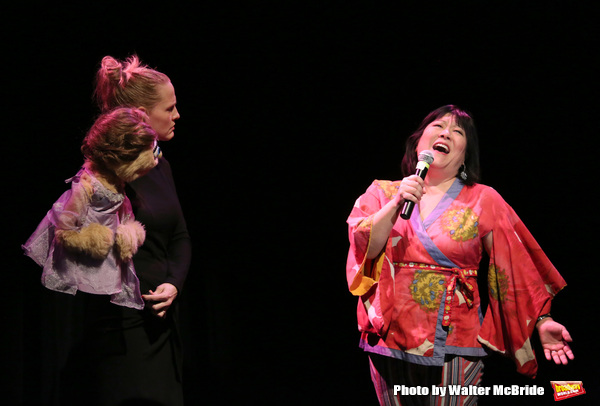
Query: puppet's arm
x,y
94,239
130,235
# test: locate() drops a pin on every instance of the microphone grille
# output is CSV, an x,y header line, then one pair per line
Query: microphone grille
x,y
426,156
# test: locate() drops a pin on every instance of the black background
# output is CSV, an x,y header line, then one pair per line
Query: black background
x,y
288,111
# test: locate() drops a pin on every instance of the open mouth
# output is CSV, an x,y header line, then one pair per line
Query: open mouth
x,y
441,147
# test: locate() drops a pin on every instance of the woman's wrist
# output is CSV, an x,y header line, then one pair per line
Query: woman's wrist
x,y
542,319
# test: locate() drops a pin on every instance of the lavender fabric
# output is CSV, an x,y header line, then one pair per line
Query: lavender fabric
x,y
68,272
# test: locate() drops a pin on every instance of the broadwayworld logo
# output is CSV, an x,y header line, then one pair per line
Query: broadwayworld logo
x,y
567,389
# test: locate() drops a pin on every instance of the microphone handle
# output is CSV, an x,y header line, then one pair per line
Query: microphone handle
x,y
409,205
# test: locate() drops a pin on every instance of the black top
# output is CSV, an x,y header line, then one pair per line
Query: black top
x,y
126,353
166,254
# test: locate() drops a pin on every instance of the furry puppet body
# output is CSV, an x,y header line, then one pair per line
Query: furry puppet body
x,y
86,242
88,238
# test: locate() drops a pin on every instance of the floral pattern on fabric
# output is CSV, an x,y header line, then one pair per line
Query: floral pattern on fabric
x,y
497,283
427,289
461,224
390,189
403,305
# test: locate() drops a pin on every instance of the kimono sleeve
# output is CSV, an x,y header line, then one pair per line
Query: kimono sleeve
x,y
521,284
363,273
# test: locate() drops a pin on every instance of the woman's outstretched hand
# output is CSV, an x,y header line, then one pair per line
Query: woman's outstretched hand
x,y
555,338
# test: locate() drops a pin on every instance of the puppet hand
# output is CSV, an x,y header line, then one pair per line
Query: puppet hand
x,y
554,338
130,236
161,299
94,240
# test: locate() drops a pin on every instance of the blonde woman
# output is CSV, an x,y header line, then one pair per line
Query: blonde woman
x,y
128,354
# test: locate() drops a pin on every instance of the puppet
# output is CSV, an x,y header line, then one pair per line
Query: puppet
x,y
87,240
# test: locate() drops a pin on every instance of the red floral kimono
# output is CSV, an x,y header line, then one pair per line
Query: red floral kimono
x,y
419,298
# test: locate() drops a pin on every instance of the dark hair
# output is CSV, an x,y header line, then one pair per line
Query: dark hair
x,y
465,121
116,137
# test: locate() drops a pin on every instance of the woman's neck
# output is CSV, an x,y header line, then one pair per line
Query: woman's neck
x,y
435,188
438,181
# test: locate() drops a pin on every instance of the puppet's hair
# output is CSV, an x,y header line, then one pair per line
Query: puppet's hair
x,y
127,83
116,137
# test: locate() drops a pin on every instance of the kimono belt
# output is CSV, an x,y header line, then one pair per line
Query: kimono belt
x,y
457,279
465,287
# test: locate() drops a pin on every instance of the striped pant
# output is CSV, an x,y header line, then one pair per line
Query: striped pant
x,y
400,383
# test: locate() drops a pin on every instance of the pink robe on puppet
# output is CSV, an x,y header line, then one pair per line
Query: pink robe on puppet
x,y
419,298
68,272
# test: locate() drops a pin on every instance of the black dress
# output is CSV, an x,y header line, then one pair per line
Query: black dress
x,y
130,357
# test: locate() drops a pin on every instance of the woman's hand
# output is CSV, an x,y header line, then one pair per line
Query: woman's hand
x,y
554,338
411,188
161,299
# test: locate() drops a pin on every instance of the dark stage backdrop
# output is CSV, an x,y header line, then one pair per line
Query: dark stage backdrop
x,y
288,111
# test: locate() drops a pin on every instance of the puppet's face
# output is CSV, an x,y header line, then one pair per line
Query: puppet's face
x,y
148,159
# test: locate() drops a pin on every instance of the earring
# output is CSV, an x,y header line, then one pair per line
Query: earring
x,y
463,172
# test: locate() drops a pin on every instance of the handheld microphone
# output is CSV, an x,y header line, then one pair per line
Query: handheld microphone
x,y
425,159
